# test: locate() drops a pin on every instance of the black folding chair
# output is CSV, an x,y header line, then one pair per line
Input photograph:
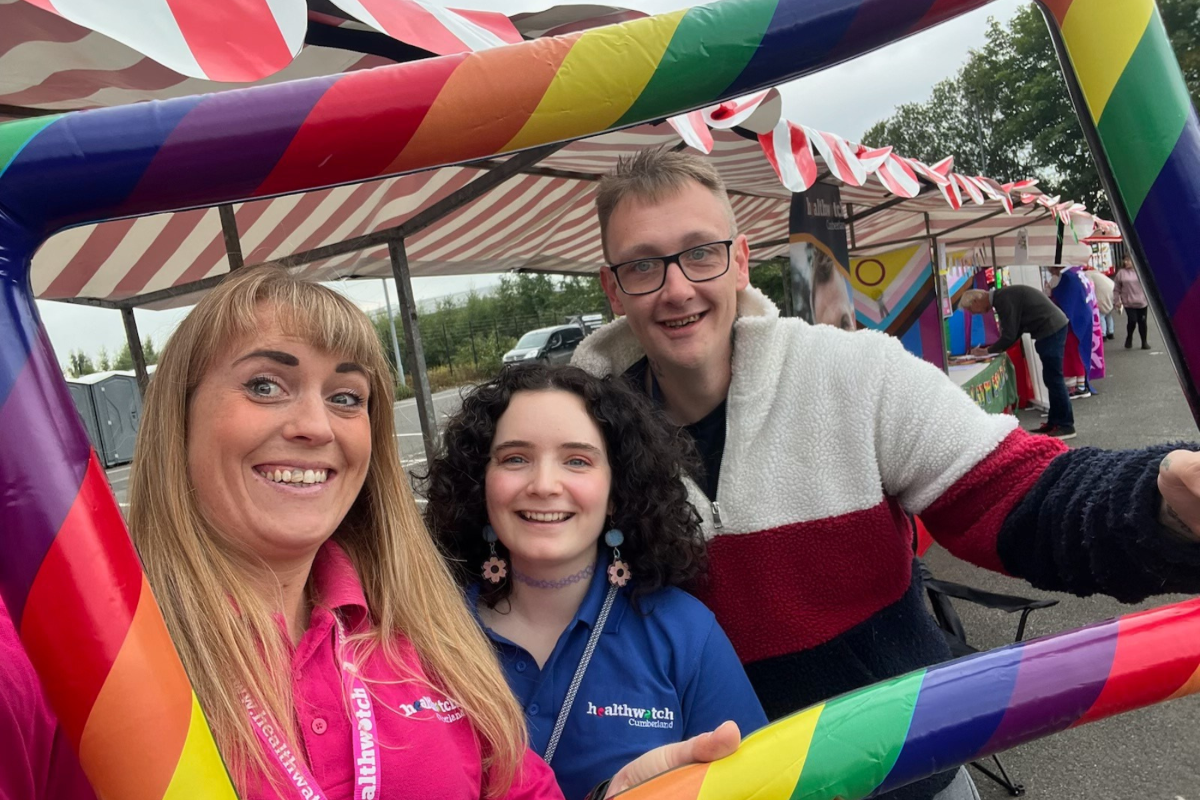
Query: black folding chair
x,y
940,594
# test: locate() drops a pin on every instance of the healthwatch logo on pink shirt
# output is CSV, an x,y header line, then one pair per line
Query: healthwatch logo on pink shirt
x,y
444,710
638,717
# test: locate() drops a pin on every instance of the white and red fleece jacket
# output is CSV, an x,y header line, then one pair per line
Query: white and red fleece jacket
x,y
832,437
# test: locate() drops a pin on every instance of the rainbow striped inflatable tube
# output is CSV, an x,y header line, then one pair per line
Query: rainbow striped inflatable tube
x,y
897,732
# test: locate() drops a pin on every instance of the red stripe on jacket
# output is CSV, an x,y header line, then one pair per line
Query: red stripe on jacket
x,y
787,589
967,518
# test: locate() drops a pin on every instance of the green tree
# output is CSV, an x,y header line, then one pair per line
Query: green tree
x,y
1007,113
124,358
149,352
79,364
767,277
103,364
1182,19
581,294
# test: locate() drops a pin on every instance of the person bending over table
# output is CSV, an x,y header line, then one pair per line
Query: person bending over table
x,y
1024,309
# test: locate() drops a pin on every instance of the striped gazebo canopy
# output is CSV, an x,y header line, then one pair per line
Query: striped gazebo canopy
x,y
540,219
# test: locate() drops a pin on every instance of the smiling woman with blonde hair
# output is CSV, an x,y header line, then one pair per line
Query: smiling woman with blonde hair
x,y
200,569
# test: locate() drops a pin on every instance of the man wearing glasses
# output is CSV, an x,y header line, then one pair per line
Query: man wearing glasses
x,y
816,442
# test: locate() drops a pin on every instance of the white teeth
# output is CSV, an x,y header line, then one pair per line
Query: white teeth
x,y
307,476
679,323
535,516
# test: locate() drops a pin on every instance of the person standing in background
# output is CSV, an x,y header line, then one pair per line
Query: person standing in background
x,y
1069,293
1128,294
1104,300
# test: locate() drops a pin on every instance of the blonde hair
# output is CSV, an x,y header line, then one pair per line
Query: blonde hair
x,y
652,175
199,580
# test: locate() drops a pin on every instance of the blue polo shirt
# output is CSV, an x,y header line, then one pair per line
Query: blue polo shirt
x,y
657,676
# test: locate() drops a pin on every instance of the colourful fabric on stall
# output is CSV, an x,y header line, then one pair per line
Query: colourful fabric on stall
x,y
1071,296
1072,360
1096,366
994,389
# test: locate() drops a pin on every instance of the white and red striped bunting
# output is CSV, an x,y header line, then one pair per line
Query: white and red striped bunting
x,y
432,26
792,151
728,115
693,130
242,41
219,40
787,150
695,127
896,174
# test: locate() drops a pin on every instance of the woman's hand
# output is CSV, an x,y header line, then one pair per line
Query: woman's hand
x,y
706,747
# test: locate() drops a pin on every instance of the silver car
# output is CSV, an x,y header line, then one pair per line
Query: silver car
x,y
553,345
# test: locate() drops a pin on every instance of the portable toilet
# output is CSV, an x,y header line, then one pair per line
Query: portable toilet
x,y
116,405
81,394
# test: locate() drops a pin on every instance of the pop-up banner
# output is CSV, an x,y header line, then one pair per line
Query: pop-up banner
x,y
820,258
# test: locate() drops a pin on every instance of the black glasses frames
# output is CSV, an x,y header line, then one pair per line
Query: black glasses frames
x,y
698,263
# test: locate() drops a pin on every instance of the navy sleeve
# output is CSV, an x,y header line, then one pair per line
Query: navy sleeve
x,y
1090,525
719,690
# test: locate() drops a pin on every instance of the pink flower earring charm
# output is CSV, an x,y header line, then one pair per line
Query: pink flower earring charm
x,y
495,569
618,570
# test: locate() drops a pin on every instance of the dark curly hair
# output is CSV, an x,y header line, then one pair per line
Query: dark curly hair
x,y
663,545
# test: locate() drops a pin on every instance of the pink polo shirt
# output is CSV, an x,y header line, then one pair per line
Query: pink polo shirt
x,y
427,750
36,760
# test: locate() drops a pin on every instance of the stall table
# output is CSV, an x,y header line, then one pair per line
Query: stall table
x,y
991,384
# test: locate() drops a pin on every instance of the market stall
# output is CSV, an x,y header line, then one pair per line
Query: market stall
x,y
991,383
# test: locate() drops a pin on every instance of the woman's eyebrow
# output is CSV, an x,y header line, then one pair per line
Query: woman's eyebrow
x,y
287,359
512,443
591,448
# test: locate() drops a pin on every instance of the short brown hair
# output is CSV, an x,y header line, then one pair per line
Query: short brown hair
x,y
652,175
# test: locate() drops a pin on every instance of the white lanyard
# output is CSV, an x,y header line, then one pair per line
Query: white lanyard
x,y
366,760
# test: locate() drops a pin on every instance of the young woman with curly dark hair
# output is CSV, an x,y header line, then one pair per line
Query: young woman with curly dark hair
x,y
558,500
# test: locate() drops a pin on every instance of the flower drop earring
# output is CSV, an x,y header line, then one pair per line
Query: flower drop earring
x,y
618,570
495,569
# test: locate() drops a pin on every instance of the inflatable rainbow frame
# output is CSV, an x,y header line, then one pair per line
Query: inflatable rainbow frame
x,y
72,581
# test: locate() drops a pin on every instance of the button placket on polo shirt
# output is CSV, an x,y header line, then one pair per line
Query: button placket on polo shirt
x,y
314,666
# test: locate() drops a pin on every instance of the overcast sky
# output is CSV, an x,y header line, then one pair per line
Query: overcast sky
x,y
846,99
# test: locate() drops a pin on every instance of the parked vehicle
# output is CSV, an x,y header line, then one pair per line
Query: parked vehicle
x,y
553,345
589,322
